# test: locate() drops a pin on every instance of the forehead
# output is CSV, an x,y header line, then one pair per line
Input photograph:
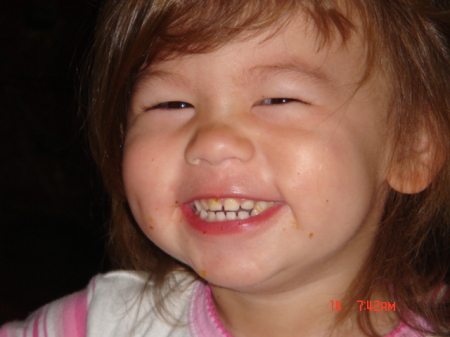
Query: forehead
x,y
291,49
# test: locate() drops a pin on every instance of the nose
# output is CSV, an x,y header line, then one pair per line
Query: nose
x,y
215,144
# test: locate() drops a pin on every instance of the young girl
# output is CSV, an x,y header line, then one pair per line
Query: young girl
x,y
276,167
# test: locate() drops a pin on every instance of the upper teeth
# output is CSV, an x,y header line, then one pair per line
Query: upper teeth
x,y
213,209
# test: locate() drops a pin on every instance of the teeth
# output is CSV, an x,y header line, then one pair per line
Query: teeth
x,y
248,204
211,216
220,216
198,205
215,205
231,215
231,204
261,206
204,204
243,215
213,210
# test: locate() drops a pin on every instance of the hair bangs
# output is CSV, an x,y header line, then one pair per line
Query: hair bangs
x,y
191,27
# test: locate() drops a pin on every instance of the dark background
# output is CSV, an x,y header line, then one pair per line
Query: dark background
x,y
52,232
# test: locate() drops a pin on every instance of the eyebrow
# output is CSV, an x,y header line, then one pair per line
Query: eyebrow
x,y
149,76
261,71
290,67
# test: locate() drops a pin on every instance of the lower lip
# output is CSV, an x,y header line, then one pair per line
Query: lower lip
x,y
230,226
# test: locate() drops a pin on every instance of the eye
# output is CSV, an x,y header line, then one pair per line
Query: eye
x,y
274,101
172,105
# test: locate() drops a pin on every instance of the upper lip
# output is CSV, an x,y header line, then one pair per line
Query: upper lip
x,y
234,196
227,185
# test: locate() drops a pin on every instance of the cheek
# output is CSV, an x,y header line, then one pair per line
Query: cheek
x,y
149,188
148,183
329,183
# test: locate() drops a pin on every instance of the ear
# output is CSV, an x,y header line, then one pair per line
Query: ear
x,y
415,172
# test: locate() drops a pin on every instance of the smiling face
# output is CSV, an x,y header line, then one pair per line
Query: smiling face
x,y
257,164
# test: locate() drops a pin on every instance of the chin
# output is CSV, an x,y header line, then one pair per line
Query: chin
x,y
239,280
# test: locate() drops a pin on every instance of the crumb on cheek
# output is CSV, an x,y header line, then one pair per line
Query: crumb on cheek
x,y
202,273
151,227
311,235
295,225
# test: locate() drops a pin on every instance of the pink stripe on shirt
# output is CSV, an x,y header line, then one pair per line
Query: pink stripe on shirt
x,y
45,322
74,315
66,317
36,324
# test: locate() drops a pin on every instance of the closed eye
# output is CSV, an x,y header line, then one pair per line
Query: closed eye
x,y
273,101
172,105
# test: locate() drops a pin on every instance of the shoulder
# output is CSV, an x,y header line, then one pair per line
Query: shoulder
x,y
404,330
412,326
119,303
122,304
65,317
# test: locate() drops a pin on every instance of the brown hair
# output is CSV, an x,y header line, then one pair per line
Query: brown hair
x,y
406,39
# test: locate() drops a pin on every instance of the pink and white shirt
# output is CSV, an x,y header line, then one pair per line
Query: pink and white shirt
x,y
116,305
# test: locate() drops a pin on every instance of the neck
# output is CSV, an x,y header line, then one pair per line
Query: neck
x,y
275,314
304,309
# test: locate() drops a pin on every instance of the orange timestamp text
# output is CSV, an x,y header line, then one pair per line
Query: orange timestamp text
x,y
367,305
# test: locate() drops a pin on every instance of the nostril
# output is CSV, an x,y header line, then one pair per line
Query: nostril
x,y
216,144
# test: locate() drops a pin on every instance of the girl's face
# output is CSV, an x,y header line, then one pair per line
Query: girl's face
x,y
257,164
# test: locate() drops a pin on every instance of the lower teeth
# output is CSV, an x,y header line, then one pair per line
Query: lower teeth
x,y
222,216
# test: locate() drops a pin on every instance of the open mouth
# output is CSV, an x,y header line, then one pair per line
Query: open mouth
x,y
225,209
